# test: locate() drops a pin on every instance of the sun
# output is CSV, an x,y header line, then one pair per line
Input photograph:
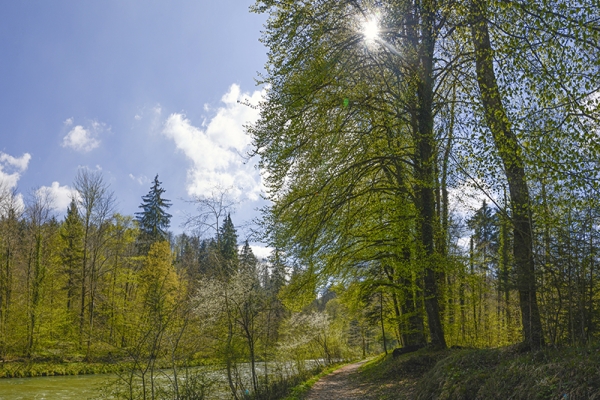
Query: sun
x,y
370,29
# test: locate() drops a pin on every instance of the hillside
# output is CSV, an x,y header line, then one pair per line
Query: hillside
x,y
503,373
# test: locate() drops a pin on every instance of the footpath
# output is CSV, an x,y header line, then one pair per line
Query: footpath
x,y
341,384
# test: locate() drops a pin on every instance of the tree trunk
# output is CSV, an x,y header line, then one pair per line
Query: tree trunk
x,y
423,42
508,149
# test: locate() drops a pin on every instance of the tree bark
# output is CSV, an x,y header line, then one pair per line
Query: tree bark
x,y
425,171
508,149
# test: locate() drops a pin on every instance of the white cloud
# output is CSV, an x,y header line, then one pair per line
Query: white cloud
x,y
11,169
217,148
261,252
139,179
61,195
83,139
20,163
80,139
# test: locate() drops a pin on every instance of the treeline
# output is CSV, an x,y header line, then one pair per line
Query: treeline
x,y
381,117
98,286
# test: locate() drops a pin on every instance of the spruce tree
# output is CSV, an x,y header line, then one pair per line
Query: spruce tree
x,y
228,249
71,233
248,260
153,220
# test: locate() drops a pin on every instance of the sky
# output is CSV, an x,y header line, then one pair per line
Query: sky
x,y
131,88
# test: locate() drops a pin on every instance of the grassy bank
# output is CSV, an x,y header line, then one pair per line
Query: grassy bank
x,y
563,373
29,368
23,369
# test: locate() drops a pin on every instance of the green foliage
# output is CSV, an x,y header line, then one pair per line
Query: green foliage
x,y
154,220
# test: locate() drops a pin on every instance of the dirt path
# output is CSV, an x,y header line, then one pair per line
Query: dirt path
x,y
341,384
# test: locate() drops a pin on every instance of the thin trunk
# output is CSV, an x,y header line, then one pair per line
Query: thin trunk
x,y
382,324
83,283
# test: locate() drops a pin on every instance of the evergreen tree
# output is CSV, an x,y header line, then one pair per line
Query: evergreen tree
x,y
277,278
153,220
71,233
248,260
485,226
209,257
227,242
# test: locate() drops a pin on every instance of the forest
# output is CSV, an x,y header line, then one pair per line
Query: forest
x,y
381,121
432,171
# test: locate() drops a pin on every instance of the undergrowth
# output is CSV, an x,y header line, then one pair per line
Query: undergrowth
x,y
563,373
568,373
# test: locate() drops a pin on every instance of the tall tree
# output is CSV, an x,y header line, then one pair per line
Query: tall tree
x,y
247,258
508,148
228,246
153,220
348,126
71,233
96,203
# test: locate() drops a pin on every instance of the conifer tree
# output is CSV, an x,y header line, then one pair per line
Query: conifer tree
x,y
71,233
277,278
153,220
248,260
227,242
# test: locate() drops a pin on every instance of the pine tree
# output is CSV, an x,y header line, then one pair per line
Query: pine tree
x,y
153,220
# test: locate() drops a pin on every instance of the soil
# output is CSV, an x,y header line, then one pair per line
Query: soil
x,y
341,384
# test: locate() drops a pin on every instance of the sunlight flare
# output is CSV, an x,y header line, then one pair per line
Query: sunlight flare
x,y
370,29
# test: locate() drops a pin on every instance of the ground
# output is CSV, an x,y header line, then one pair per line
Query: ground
x,y
341,384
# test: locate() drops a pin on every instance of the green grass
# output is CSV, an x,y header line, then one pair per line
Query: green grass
x,y
31,369
560,373
571,373
396,378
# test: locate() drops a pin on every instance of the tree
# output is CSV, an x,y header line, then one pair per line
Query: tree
x,y
71,233
247,258
348,125
10,216
96,205
37,212
153,220
228,246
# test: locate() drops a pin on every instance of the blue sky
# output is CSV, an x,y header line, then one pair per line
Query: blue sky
x,y
133,88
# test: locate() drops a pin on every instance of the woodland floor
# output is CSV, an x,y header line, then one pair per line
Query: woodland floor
x,y
492,374
349,382
340,384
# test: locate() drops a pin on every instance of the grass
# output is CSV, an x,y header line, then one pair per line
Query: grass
x,y
396,378
31,369
554,373
571,373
